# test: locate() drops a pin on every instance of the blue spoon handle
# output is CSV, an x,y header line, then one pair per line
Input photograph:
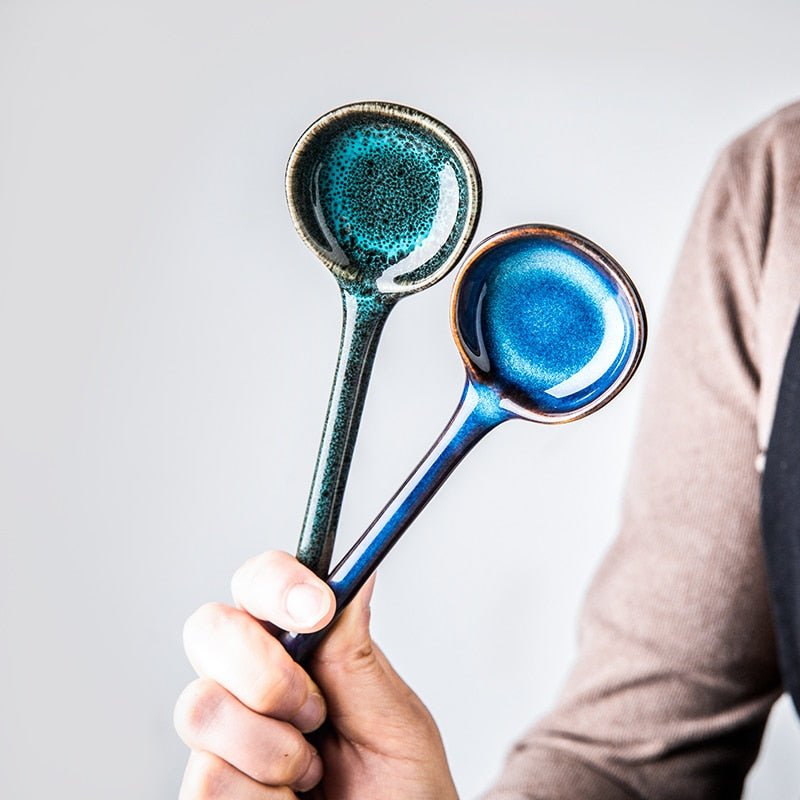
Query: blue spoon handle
x,y
477,413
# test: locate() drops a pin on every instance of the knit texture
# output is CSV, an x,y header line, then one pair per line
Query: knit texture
x,y
677,667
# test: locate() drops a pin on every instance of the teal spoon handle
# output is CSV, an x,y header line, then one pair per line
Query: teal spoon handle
x,y
362,323
477,413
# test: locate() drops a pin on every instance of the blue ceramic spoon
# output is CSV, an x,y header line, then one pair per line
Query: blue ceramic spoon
x,y
388,198
550,328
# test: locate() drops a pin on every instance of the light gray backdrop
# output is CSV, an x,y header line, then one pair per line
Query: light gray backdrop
x,y
167,342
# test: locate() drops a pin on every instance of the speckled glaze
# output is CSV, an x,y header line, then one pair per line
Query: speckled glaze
x,y
388,198
549,320
550,328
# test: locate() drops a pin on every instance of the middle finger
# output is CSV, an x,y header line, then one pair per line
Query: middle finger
x,y
232,648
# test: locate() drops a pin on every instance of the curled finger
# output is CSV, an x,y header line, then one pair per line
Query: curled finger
x,y
208,777
271,752
232,648
275,586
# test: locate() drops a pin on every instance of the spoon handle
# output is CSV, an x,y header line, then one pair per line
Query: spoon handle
x,y
477,413
363,319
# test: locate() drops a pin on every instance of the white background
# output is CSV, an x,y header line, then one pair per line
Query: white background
x,y
167,342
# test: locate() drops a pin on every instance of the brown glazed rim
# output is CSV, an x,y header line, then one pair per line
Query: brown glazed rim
x,y
595,253
411,116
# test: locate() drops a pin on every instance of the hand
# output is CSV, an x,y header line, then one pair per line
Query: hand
x,y
245,717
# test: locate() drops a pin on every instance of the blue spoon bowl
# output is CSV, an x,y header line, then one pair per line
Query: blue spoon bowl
x,y
550,328
547,322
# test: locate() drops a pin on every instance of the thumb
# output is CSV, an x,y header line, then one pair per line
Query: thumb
x,y
365,696
349,643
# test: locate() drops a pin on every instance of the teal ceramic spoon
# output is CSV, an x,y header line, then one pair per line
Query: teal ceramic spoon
x,y
388,198
550,328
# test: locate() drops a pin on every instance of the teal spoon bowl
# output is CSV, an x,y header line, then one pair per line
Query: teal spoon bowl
x,y
388,199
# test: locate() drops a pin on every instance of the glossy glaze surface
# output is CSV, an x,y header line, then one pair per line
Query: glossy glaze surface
x,y
363,318
550,328
386,195
388,198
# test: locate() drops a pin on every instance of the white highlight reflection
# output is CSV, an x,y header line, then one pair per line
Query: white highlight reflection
x,y
442,227
337,254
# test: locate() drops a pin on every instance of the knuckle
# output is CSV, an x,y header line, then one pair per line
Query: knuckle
x,y
266,568
206,778
196,709
279,687
244,575
269,563
206,621
271,557
209,615
291,760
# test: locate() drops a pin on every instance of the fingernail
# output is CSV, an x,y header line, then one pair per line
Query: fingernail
x,y
311,715
312,775
306,604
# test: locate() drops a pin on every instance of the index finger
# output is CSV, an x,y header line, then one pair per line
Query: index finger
x,y
274,586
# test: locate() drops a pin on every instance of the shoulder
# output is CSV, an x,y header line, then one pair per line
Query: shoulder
x,y
762,169
779,133
764,161
754,188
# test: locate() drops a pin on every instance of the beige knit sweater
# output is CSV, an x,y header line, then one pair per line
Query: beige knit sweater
x,y
677,668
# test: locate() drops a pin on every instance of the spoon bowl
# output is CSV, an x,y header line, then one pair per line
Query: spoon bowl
x,y
550,328
386,196
548,321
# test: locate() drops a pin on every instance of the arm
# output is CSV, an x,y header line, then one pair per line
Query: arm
x,y
677,667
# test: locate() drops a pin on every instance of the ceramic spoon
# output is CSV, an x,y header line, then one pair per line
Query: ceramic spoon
x,y
550,328
388,198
